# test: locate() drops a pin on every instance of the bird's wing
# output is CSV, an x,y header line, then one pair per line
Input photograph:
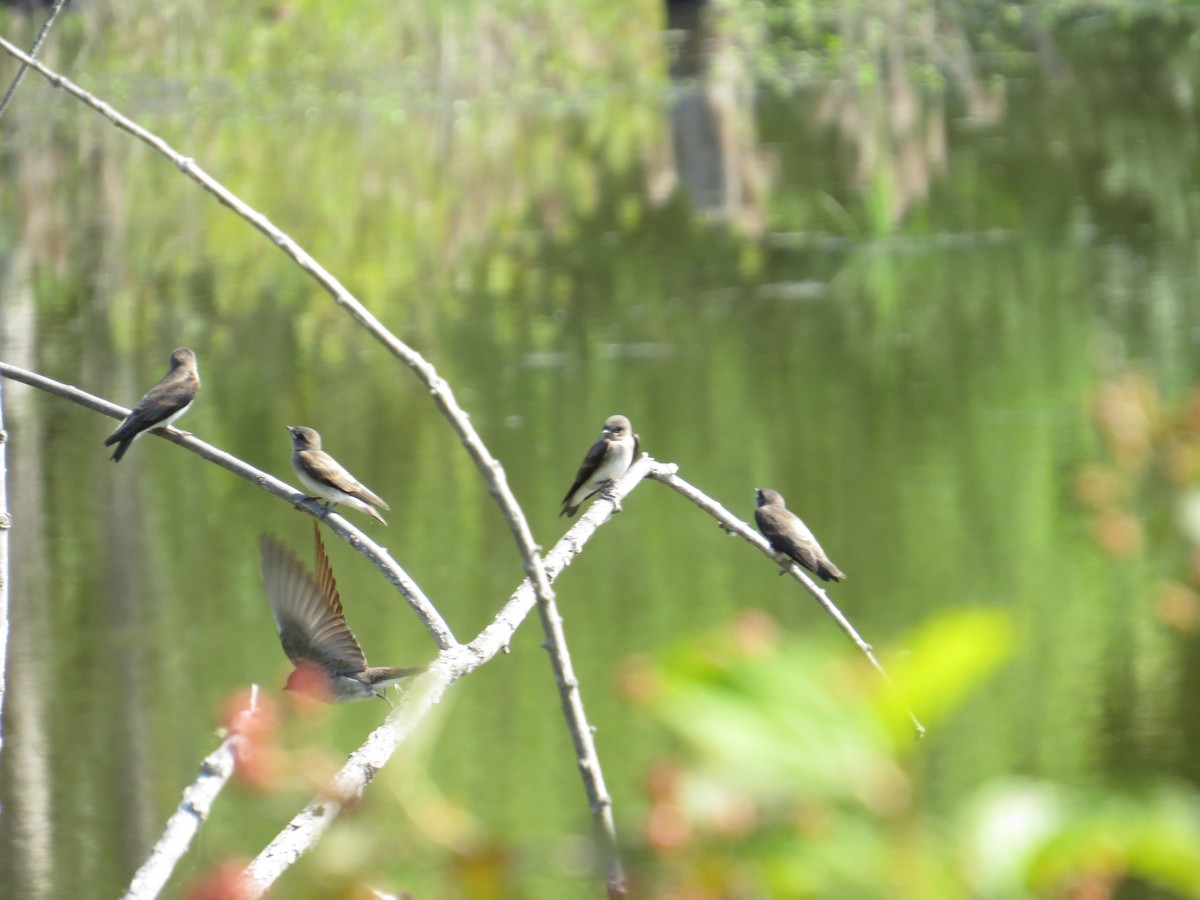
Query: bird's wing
x,y
308,612
588,468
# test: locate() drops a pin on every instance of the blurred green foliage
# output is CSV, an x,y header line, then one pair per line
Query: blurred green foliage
x,y
793,776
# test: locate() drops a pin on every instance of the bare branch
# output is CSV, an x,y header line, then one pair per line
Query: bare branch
x,y
197,803
408,588
307,827
731,524
5,526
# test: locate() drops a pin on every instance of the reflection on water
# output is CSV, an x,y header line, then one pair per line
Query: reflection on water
x,y
713,151
587,227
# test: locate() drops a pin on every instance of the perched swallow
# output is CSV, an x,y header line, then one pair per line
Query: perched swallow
x,y
330,665
607,460
163,403
788,535
324,478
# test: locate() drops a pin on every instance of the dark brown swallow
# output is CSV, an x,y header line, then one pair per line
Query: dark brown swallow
x,y
788,535
163,403
330,665
607,460
325,478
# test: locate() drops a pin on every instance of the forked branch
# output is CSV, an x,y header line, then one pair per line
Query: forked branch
x,y
5,524
443,396
197,803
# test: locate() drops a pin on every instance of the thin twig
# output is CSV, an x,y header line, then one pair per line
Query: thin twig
x,y
490,468
197,803
307,827
493,473
33,51
5,526
408,588
733,525
425,691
